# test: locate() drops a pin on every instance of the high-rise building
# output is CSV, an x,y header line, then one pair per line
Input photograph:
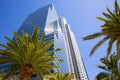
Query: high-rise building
x,y
47,20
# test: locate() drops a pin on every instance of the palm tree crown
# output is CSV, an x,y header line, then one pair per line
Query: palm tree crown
x,y
28,55
111,68
110,29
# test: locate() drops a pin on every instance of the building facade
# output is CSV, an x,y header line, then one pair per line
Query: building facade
x,y
47,20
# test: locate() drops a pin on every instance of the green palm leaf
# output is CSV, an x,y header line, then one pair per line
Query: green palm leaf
x,y
35,36
112,40
12,71
103,19
110,66
117,9
93,36
103,76
98,45
59,76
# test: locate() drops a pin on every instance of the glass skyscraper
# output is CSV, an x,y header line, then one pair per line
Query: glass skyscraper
x,y
47,20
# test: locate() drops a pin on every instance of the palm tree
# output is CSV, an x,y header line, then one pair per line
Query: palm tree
x,y
28,55
110,30
111,68
59,76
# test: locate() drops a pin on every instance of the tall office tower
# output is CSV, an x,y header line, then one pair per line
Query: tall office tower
x,y
47,20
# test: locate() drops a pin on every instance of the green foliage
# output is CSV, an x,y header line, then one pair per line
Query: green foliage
x,y
110,30
10,78
111,68
59,76
28,51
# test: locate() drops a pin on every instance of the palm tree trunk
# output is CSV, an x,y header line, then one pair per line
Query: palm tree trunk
x,y
26,72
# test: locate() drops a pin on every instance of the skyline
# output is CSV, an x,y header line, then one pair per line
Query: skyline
x,y
81,18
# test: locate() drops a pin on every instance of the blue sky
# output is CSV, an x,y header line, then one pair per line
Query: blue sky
x,y
80,14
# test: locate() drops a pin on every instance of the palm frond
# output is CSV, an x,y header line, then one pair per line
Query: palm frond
x,y
18,40
25,37
8,54
113,60
41,41
11,44
4,60
35,35
111,13
103,76
53,51
48,66
13,70
117,9
103,19
5,46
103,67
93,36
107,16
41,72
98,45
112,40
